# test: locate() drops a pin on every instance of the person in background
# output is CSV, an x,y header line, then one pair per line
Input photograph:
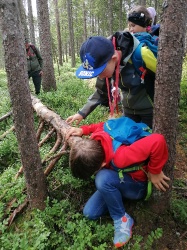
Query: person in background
x,y
155,27
153,15
34,65
96,155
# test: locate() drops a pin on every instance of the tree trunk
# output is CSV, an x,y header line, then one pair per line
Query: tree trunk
x,y
71,33
85,20
142,2
59,40
110,16
48,82
16,68
31,22
2,62
121,24
167,86
23,18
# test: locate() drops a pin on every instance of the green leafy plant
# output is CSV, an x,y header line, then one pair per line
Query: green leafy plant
x,y
61,225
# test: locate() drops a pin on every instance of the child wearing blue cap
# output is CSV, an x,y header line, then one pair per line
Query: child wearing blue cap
x,y
102,60
114,181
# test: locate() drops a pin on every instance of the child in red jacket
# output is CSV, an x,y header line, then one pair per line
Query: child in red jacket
x,y
95,155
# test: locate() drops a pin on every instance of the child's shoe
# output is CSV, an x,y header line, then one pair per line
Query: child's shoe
x,y
123,230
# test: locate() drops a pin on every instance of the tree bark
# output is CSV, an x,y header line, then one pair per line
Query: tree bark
x,y
16,68
48,81
23,18
31,22
71,33
110,16
59,40
167,86
53,119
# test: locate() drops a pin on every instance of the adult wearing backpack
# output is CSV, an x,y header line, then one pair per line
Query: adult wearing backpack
x,y
114,182
34,65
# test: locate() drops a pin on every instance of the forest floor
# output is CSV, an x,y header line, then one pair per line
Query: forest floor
x,y
174,233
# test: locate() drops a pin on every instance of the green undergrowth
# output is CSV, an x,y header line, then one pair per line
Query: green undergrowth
x,y
61,226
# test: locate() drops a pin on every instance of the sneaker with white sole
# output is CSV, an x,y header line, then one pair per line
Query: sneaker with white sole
x,y
123,230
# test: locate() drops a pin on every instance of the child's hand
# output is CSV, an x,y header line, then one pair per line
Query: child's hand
x,y
73,131
77,117
159,181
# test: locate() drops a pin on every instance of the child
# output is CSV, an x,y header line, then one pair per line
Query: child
x,y
139,19
155,27
96,156
137,93
153,15
100,58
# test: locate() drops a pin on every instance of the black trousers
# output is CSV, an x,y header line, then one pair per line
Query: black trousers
x,y
37,79
147,119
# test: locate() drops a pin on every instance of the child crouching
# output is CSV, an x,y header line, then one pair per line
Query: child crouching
x,y
96,155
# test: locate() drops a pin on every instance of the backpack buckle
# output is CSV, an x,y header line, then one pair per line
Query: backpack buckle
x,y
120,173
144,71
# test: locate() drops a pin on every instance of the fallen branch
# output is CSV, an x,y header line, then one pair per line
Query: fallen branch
x,y
6,116
17,210
53,119
7,132
61,127
20,171
53,162
40,130
46,137
183,235
57,143
180,188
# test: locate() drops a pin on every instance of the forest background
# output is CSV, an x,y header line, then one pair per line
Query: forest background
x,y
61,225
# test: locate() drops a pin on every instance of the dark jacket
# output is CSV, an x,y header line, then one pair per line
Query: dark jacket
x,y
137,98
34,59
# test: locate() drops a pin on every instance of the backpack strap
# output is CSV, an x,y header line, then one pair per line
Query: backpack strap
x,y
34,49
113,103
149,190
138,62
149,187
132,169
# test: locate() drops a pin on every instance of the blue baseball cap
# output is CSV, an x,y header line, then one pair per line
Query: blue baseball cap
x,y
95,54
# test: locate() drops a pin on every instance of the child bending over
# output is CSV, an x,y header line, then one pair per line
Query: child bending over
x,y
95,155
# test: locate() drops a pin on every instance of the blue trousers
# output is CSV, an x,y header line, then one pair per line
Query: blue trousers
x,y
110,194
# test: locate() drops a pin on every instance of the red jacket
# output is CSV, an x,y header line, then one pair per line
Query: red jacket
x,y
152,147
